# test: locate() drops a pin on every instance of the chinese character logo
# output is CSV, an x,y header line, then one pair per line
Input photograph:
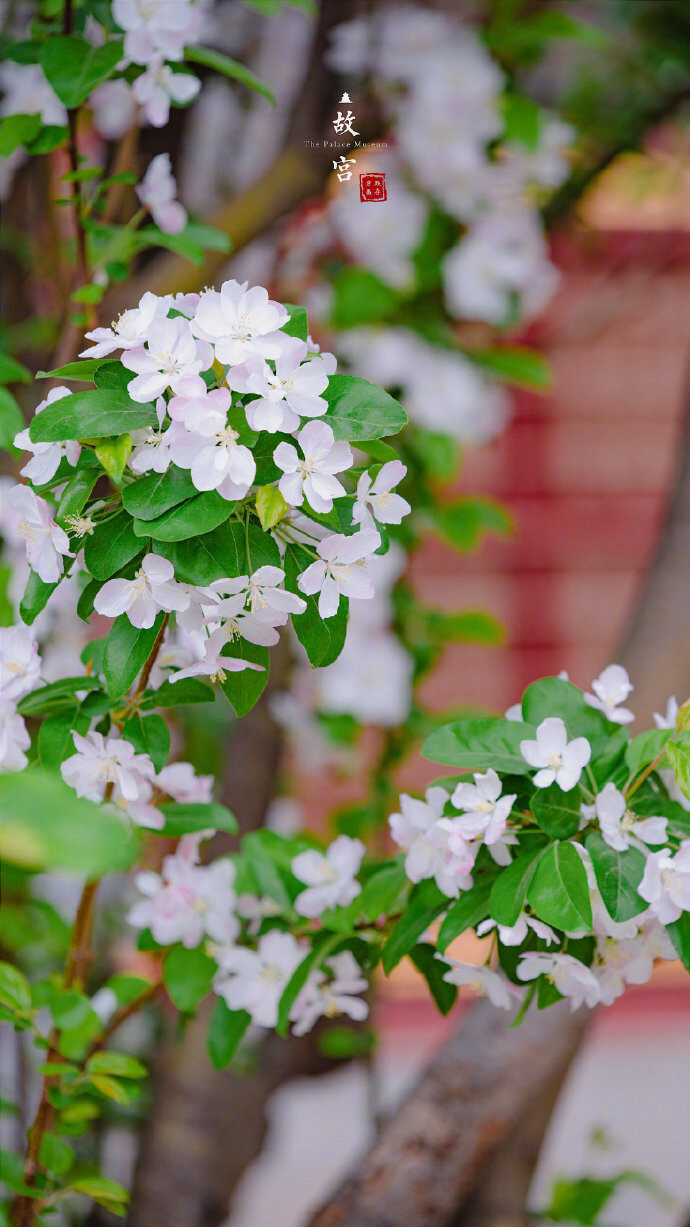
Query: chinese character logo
x,y
342,166
343,123
372,187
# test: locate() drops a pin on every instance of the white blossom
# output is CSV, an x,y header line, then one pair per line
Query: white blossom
x,y
153,588
559,760
502,255
46,456
254,980
240,322
186,900
157,192
14,738
371,679
420,828
157,28
99,761
666,883
172,353
567,974
180,781
20,663
156,88
611,688
27,91
484,981
374,498
292,391
214,663
620,827
340,569
486,811
670,716
212,451
114,108
515,934
130,330
313,476
324,997
330,878
46,543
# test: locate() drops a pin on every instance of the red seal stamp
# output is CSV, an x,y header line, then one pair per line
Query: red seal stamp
x,y
372,187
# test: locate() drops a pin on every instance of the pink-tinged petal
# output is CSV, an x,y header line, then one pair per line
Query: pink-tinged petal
x,y
183,86
312,578
329,598
292,489
158,570
113,598
285,456
389,475
316,438
144,388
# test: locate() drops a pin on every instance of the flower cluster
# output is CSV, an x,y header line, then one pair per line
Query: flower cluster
x,y
576,852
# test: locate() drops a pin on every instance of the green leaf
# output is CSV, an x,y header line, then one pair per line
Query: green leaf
x,y
358,409
479,744
126,651
15,992
111,546
244,688
225,1032
228,68
270,506
220,553
188,975
55,741
188,817
12,371
113,455
465,521
11,419
381,890
679,932
76,492
176,694
82,371
618,876
425,904
509,890
644,748
322,638
35,598
74,67
298,324
322,945
16,130
557,812
56,695
445,995
55,1155
678,751
118,1064
153,495
70,1010
522,120
106,1192
199,515
553,696
466,911
149,735
515,365
558,891
95,413
46,826
361,298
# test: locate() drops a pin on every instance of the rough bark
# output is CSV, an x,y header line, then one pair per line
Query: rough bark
x,y
478,1093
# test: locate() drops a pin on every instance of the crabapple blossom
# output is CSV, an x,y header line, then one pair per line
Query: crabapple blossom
x,y
558,759
20,663
666,883
611,688
46,543
27,91
215,458
670,716
313,476
151,451
330,878
157,27
503,254
100,761
240,322
374,498
254,980
255,909
156,88
114,108
293,390
486,811
322,997
340,569
630,960
153,588
172,353
46,456
14,738
484,981
213,663
620,827
514,935
130,330
371,679
187,901
567,974
157,192
180,781
420,828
